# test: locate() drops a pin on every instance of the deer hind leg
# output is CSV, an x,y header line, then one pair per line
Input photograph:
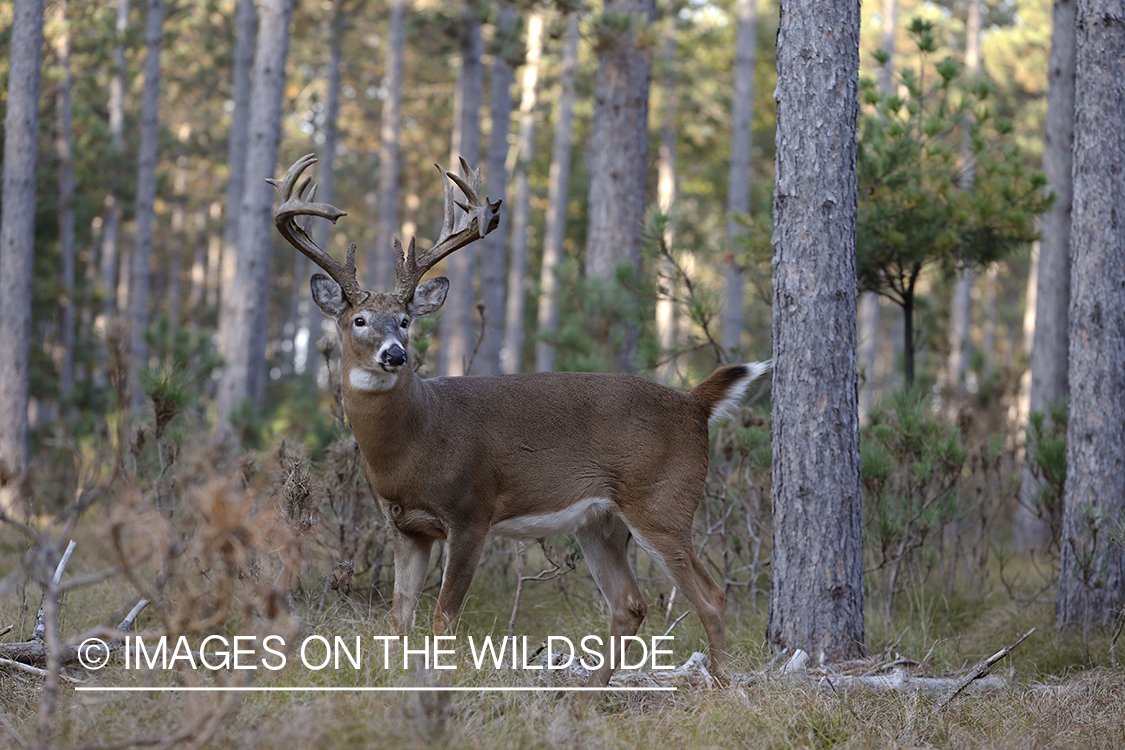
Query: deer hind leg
x,y
604,541
412,561
675,553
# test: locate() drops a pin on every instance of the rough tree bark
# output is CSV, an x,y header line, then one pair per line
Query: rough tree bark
x,y
17,242
249,289
816,592
558,194
618,152
1092,569
1052,293
738,178
456,321
521,194
140,283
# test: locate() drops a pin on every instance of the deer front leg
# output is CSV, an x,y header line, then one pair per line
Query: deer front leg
x,y
412,560
460,565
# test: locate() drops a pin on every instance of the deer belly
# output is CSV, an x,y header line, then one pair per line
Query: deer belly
x,y
562,521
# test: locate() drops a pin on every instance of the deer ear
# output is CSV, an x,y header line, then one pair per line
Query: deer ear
x,y
429,296
328,295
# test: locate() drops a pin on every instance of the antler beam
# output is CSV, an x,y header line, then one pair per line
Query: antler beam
x,y
477,218
293,204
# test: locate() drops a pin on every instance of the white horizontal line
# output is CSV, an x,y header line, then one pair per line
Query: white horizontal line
x,y
367,689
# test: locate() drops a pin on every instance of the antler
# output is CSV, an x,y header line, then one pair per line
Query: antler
x,y
476,219
293,206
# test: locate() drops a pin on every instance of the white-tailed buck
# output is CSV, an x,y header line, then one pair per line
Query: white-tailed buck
x,y
607,457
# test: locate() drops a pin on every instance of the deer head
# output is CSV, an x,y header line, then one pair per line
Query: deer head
x,y
375,326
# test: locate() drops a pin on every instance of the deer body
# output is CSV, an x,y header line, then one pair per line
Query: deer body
x,y
607,457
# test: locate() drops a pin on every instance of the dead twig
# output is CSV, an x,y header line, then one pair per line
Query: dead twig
x,y
980,670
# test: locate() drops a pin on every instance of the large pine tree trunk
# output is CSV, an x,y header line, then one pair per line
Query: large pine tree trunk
x,y
456,321
1092,573
619,148
558,194
521,208
17,242
667,186
494,247
141,273
381,260
738,178
249,289
816,593
1049,345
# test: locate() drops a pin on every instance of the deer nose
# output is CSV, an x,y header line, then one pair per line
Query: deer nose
x,y
395,356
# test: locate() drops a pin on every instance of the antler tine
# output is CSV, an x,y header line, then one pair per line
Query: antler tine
x,y
293,206
477,218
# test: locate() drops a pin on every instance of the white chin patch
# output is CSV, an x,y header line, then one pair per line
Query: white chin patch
x,y
365,380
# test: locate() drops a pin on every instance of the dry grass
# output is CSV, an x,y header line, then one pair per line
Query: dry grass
x,y
241,552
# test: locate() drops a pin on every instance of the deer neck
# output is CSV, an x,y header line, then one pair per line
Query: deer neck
x,y
380,418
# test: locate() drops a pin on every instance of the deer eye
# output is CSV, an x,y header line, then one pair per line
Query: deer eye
x,y
359,322
405,323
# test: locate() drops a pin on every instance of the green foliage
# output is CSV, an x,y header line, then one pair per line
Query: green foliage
x,y
921,203
911,462
1046,459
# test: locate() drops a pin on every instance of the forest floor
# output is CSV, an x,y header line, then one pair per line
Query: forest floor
x,y
1057,692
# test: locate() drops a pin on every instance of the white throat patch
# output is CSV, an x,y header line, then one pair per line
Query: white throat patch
x,y
363,379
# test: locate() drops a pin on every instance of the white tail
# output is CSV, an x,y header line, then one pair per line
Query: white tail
x,y
607,457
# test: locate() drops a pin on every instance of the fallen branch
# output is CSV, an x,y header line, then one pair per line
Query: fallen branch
x,y
41,618
977,672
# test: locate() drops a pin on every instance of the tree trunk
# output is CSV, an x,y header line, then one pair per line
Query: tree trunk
x,y
456,322
141,275
495,245
521,208
380,263
245,341
1049,346
110,256
17,243
961,305
741,149
64,148
666,190
816,593
869,304
238,142
618,151
558,195
1092,574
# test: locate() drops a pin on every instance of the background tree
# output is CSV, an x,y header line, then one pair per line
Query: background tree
x,y
618,154
381,267
64,150
1092,574
251,283
140,284
914,213
558,194
1052,289
741,149
521,199
816,589
17,242
456,321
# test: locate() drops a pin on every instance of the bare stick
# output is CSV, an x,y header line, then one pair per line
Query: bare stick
x,y
40,622
127,623
5,630
677,622
980,670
